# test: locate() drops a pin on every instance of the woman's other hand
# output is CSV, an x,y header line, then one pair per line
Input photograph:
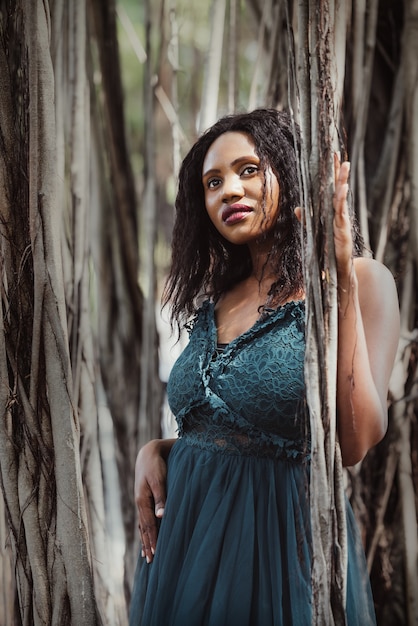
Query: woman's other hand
x,y
150,491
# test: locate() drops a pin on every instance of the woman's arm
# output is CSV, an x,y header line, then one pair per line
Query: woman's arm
x,y
150,490
368,333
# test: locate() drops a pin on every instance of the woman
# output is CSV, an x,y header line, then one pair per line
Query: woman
x,y
234,546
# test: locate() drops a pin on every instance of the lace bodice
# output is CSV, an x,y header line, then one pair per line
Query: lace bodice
x,y
249,397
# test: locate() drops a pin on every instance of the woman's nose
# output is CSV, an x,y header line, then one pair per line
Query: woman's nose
x,y
232,188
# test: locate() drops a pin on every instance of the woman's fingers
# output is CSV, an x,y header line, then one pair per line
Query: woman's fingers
x,y
337,164
342,224
341,175
150,496
148,523
343,241
341,192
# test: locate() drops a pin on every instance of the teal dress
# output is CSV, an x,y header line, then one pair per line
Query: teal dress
x,y
234,546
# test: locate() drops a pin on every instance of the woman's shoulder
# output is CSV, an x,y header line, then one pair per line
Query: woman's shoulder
x,y
374,277
368,264
377,291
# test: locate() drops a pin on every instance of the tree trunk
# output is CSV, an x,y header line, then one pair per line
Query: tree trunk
x,y
212,70
53,332
40,431
116,257
320,96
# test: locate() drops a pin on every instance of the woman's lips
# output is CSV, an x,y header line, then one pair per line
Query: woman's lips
x,y
235,213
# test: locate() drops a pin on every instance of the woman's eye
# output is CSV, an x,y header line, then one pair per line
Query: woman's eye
x,y
212,183
250,169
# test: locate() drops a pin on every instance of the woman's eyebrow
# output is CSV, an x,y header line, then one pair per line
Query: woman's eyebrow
x,y
215,170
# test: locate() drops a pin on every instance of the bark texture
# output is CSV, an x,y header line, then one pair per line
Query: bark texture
x,y
71,322
40,430
319,94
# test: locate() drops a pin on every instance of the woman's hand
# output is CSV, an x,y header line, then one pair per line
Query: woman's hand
x,y
150,491
343,240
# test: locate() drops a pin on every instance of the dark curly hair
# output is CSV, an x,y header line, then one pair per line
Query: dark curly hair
x,y
204,262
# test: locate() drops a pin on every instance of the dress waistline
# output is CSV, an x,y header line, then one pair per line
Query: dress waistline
x,y
241,444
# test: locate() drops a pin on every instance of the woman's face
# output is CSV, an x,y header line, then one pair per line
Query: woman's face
x,y
241,199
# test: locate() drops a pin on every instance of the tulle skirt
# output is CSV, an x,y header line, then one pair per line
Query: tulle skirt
x,y
234,547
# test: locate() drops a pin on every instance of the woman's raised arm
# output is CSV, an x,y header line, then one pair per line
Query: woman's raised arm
x,y
368,334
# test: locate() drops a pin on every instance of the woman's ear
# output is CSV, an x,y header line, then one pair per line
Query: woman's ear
x,y
299,213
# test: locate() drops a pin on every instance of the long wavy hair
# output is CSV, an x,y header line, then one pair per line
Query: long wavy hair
x,y
203,261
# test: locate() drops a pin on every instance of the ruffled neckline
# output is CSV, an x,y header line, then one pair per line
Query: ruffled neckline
x,y
295,308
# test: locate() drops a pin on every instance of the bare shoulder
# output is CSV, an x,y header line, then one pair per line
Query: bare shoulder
x,y
368,268
378,300
377,292
375,281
